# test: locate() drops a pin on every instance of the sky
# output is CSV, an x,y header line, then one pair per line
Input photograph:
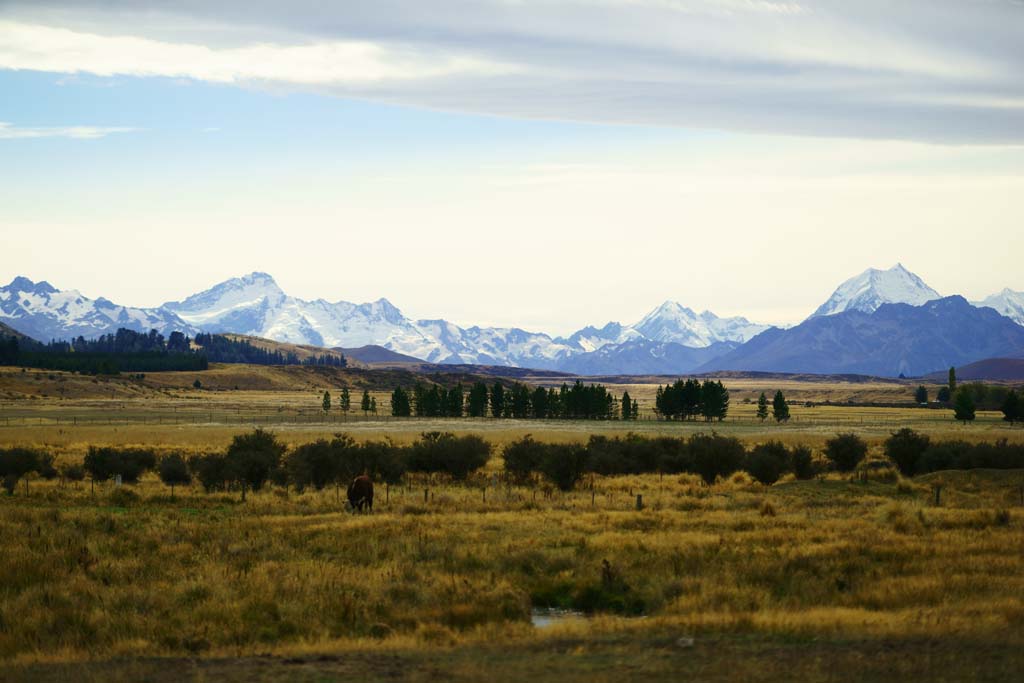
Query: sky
x,y
545,164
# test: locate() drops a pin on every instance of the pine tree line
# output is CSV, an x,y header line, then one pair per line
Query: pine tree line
x,y
519,401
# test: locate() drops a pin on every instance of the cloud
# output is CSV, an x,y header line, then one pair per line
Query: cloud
x,y
11,132
31,46
947,71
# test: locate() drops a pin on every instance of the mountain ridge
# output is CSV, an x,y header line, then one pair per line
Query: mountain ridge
x,y
671,338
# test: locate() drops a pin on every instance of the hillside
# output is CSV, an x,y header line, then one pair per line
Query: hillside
x,y
373,355
999,369
7,331
301,351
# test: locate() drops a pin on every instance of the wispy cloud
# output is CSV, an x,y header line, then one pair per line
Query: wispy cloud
x,y
9,131
936,70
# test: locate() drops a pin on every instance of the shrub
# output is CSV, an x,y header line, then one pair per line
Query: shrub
x,y
905,448
253,457
174,472
313,464
73,472
564,464
445,452
18,462
801,462
715,456
845,451
523,457
210,470
382,460
767,462
107,462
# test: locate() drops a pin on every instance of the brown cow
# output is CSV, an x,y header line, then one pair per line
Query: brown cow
x,y
360,493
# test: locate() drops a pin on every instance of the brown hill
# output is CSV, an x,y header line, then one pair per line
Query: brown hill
x,y
999,369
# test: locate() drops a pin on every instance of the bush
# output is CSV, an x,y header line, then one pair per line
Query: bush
x,y
564,464
845,451
382,460
107,462
905,448
767,462
252,458
445,452
211,471
801,462
174,472
715,456
313,464
73,472
18,462
523,457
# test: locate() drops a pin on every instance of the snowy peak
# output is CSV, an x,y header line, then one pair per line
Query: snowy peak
x,y
240,302
1008,303
874,287
23,284
42,311
672,322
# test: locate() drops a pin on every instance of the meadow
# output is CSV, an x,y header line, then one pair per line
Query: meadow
x,y
835,578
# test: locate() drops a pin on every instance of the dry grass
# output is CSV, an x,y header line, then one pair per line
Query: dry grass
x,y
792,580
124,573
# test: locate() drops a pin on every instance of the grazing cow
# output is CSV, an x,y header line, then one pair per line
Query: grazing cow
x,y
360,493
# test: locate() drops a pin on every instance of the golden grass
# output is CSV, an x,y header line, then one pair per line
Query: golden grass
x,y
117,574
785,580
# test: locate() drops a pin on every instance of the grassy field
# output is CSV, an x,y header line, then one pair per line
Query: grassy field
x,y
764,580
828,579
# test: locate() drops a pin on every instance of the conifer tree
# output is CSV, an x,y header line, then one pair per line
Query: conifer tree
x,y
477,404
365,405
952,380
400,406
627,406
963,406
326,404
345,401
498,400
921,394
762,407
373,405
1012,409
780,409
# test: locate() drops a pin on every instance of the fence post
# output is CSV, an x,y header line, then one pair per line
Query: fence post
x,y
639,501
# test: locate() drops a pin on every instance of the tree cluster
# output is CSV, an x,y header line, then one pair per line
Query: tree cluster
x,y
690,399
576,402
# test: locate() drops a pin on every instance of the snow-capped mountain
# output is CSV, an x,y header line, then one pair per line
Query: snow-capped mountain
x,y
671,322
1008,303
872,288
255,305
43,312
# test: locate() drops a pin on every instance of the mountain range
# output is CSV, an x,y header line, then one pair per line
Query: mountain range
x,y
856,330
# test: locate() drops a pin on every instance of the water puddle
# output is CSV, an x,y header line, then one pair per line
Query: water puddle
x,y
546,617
